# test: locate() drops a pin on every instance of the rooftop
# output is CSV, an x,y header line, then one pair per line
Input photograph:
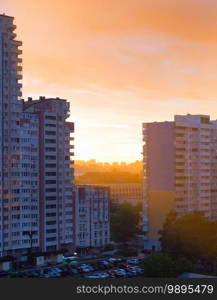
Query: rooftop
x,y
6,16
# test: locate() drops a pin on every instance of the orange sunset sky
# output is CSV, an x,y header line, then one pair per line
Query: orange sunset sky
x,y
119,63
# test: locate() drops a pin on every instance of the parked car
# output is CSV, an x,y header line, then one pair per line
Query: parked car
x,y
85,269
133,261
111,273
56,269
94,266
112,259
97,275
91,276
120,273
103,275
73,271
131,274
103,265
123,266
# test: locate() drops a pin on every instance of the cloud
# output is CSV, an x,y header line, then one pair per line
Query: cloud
x,y
157,49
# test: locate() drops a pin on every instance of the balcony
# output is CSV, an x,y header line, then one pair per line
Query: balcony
x,y
18,43
19,68
12,27
13,36
19,76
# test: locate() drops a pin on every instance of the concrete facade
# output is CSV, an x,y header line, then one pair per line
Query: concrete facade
x,y
126,192
180,170
18,150
55,172
36,173
92,220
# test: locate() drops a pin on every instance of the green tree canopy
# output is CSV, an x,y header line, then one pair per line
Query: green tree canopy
x,y
192,236
163,265
124,222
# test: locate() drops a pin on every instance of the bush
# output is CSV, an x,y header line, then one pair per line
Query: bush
x,y
183,264
159,265
163,265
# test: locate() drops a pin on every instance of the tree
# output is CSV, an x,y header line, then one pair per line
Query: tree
x,y
163,265
124,222
182,264
159,265
192,236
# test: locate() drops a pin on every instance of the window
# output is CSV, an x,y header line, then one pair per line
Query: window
x,y
50,206
50,117
50,132
50,190
52,166
51,231
51,215
50,173
51,239
50,141
50,157
50,181
50,222
51,198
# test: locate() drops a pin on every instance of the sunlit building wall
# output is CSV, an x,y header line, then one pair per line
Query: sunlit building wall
x,y
125,192
180,170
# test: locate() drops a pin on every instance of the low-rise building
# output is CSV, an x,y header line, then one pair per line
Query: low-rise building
x,y
92,218
126,192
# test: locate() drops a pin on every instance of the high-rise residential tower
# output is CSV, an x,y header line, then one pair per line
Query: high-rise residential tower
x,y
55,172
180,170
36,173
13,182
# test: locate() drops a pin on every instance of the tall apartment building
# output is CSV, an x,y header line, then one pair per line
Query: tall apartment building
x,y
14,186
180,170
92,219
35,169
55,172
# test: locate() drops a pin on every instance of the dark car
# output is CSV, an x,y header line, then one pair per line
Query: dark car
x,y
74,271
103,265
131,274
123,266
94,266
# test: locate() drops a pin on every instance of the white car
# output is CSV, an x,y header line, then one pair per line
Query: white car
x,y
103,275
92,276
85,270
120,272
133,261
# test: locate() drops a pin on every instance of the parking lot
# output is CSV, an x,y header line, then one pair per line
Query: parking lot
x,y
105,268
